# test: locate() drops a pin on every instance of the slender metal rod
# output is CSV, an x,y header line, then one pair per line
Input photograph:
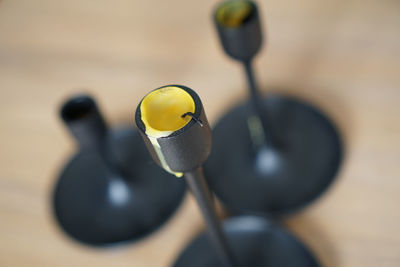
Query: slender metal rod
x,y
197,184
257,105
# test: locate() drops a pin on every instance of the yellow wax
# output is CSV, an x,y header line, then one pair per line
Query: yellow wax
x,y
233,13
162,110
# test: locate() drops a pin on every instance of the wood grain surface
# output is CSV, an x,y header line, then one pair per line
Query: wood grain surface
x,y
341,55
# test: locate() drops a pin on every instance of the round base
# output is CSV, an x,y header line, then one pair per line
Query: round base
x,y
255,242
304,161
99,205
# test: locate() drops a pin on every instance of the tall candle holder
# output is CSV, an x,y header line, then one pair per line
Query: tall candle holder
x,y
271,155
174,127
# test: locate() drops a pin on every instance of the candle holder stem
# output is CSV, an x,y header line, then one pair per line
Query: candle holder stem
x,y
197,184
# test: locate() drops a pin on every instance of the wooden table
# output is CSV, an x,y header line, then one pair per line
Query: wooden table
x,y
342,56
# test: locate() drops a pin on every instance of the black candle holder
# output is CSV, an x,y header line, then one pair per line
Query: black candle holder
x,y
271,155
110,191
181,145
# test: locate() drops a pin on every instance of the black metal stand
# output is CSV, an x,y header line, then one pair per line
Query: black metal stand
x,y
270,155
111,191
243,241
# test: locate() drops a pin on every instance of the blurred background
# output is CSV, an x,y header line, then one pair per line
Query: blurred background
x,y
342,56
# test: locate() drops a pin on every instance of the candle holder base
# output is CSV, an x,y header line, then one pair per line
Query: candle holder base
x,y
97,205
255,242
278,179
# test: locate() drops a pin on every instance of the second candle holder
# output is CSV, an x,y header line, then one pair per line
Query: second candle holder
x,y
110,191
271,155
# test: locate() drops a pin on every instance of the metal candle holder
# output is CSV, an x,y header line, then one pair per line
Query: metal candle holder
x,y
110,191
271,155
181,145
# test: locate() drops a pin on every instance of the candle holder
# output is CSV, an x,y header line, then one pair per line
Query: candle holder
x,y
110,191
271,155
174,127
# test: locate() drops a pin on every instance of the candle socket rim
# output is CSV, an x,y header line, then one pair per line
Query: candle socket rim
x,y
197,112
253,15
